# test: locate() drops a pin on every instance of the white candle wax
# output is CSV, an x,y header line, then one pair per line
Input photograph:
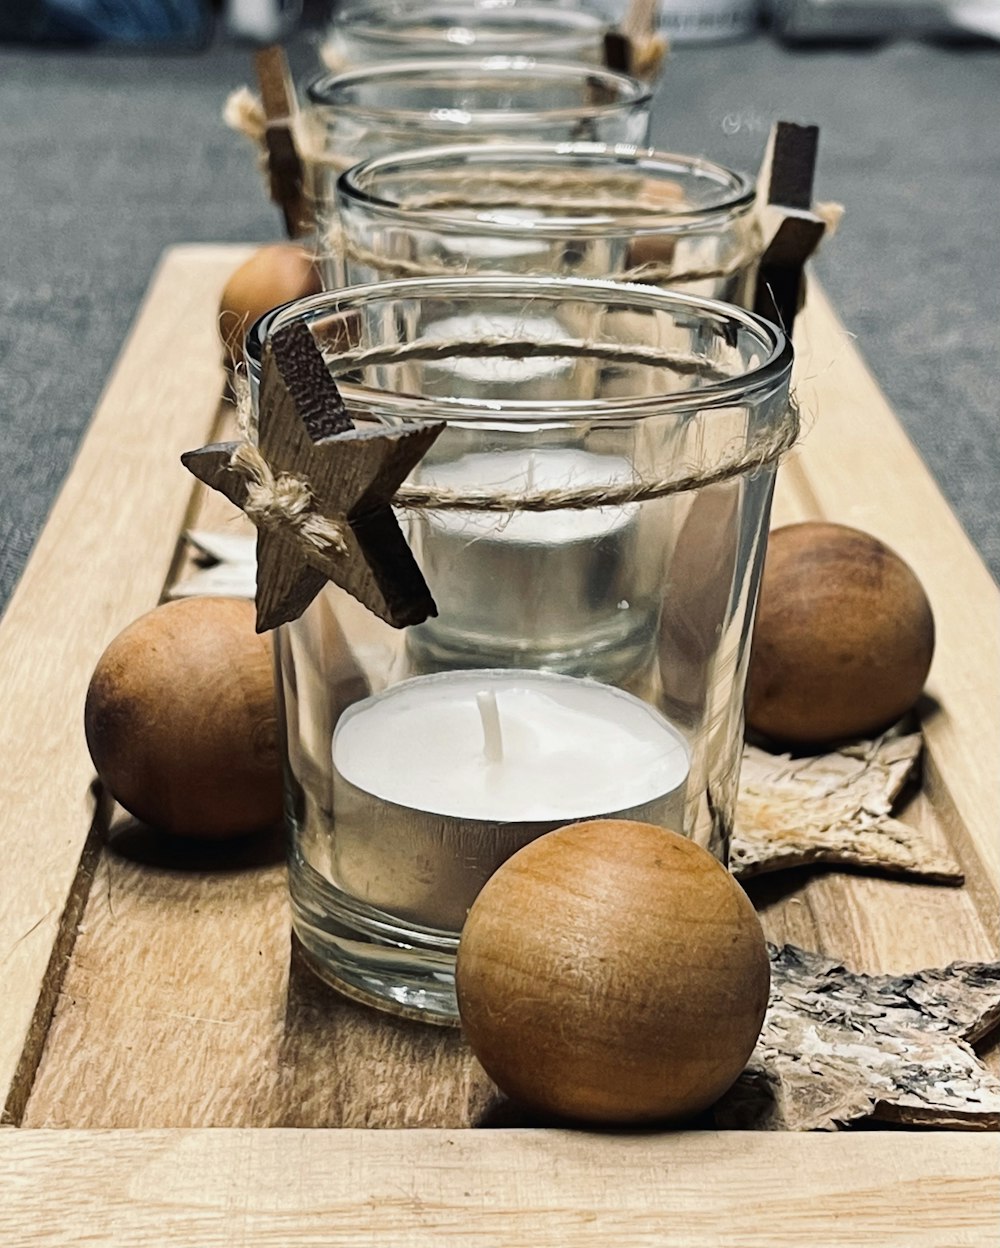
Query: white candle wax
x,y
535,585
426,807
515,246
535,471
498,371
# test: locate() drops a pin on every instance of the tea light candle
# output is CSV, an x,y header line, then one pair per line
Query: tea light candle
x,y
560,586
475,376
441,778
518,246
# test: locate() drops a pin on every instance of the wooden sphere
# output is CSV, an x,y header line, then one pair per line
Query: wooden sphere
x,y
843,639
273,275
180,720
612,971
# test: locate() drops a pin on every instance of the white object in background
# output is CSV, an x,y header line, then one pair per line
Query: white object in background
x,y
439,779
261,21
819,20
978,17
707,21
232,572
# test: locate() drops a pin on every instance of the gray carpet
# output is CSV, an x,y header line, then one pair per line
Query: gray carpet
x,y
107,159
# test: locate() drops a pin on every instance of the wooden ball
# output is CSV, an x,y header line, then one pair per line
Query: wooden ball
x,y
843,639
273,275
180,720
612,971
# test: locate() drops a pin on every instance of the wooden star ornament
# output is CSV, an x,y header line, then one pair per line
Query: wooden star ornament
x,y
319,491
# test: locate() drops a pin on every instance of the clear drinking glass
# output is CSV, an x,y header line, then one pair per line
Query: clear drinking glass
x,y
566,209
386,108
591,523
391,30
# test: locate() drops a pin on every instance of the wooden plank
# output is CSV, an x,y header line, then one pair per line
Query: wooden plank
x,y
183,1007
522,1189
856,466
99,562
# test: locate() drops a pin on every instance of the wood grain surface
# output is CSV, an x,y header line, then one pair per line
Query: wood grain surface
x,y
519,1189
100,561
181,1003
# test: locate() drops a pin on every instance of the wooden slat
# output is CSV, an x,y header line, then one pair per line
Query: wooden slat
x,y
99,562
182,1007
522,1189
857,466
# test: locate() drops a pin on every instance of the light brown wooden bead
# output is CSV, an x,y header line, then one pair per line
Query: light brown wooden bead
x,y
180,720
843,639
271,276
612,971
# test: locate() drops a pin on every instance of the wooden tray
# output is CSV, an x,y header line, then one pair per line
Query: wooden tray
x,y
144,999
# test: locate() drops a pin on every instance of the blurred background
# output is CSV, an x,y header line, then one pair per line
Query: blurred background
x,y
113,148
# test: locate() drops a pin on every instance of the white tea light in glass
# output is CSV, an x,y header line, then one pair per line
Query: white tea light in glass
x,y
482,763
379,109
564,209
583,600
596,553
375,32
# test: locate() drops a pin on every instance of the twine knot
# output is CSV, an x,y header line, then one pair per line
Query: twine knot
x,y
285,500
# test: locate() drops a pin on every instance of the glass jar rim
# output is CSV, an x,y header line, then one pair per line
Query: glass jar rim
x,y
736,199
767,374
629,91
366,19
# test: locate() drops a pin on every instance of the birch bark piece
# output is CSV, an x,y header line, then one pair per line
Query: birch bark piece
x,y
837,1046
230,569
833,808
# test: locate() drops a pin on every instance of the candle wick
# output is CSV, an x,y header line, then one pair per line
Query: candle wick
x,y
529,475
489,714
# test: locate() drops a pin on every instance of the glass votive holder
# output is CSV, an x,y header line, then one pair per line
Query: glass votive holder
x,y
564,209
376,110
594,556
377,31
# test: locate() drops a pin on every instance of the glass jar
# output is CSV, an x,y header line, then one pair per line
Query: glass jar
x,y
591,523
574,210
381,109
391,30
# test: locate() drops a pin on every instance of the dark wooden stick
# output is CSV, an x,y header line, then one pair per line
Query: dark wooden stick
x,y
792,231
285,169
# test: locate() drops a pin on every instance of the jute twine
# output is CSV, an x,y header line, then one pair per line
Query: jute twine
x,y
339,243
285,498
